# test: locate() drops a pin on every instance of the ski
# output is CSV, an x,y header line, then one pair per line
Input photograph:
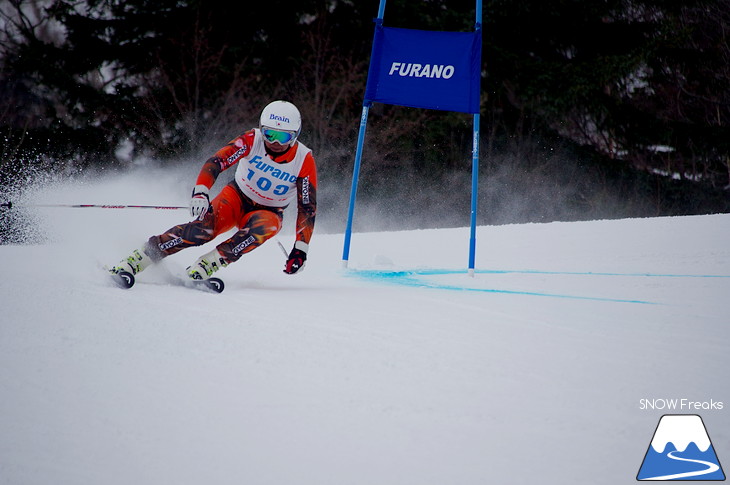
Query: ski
x,y
123,279
214,285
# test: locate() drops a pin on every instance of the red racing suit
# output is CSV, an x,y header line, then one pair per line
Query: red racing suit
x,y
254,202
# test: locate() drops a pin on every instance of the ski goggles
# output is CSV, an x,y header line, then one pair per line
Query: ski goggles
x,y
280,136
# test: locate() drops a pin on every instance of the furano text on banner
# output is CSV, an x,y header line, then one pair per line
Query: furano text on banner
x,y
425,69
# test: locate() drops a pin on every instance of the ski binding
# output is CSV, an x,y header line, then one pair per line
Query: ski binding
x,y
123,279
214,284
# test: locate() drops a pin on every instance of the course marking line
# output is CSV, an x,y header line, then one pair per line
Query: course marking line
x,y
411,278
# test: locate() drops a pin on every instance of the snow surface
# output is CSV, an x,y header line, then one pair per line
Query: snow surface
x,y
400,370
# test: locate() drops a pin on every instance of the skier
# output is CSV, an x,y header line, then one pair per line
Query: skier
x,y
273,169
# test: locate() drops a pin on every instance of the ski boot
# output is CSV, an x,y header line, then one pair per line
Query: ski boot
x,y
206,265
123,272
202,270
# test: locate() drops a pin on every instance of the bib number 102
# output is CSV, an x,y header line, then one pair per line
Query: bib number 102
x,y
265,183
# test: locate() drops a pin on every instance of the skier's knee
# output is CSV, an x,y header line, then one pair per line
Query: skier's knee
x,y
265,225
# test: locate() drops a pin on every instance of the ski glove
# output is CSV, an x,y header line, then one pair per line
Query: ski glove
x,y
200,203
297,258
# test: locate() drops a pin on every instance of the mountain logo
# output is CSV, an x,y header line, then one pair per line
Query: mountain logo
x,y
681,450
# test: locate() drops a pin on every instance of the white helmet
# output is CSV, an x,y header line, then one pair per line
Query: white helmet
x,y
282,115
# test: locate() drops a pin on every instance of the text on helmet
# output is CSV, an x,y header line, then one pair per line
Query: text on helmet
x,y
283,119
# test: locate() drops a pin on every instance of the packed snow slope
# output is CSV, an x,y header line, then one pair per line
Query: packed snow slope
x,y
400,370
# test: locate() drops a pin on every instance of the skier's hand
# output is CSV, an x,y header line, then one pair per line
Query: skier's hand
x,y
200,203
297,258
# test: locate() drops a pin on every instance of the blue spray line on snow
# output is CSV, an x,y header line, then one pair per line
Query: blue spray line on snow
x,y
411,279
429,272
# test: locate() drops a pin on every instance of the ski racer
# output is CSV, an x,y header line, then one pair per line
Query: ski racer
x,y
274,169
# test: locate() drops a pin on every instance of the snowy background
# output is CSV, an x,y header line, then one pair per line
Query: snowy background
x,y
400,370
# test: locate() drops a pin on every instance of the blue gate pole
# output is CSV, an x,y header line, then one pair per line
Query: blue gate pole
x,y
358,156
353,188
381,10
475,166
474,192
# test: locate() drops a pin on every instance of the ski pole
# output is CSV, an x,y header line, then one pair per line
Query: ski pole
x,y
283,249
10,205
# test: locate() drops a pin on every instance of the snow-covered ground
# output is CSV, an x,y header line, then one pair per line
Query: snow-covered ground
x,y
400,370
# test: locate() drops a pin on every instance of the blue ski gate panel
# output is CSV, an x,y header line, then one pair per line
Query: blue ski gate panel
x,y
425,69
